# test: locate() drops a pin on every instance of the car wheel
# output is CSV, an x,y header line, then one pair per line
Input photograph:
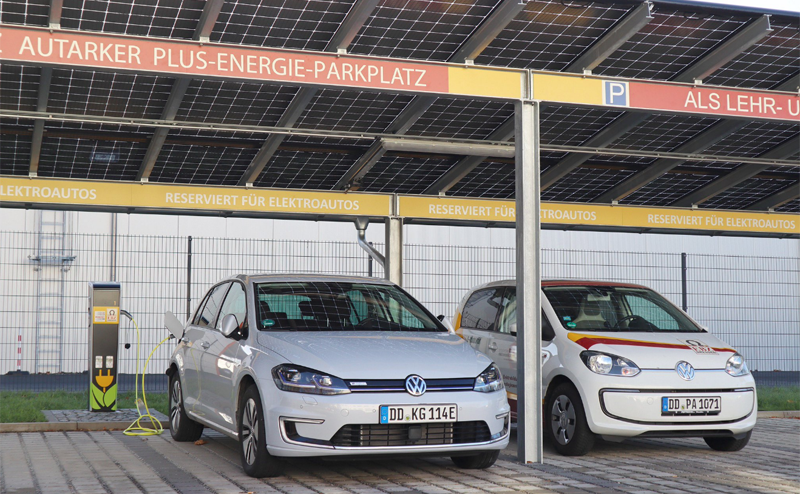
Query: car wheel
x,y
567,427
478,461
727,443
181,426
256,461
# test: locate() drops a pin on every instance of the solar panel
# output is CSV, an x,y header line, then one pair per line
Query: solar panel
x,y
667,189
63,157
202,165
462,119
791,206
306,25
420,29
234,102
15,149
746,193
18,87
305,170
670,42
551,35
31,12
663,132
489,180
755,139
404,175
584,184
357,111
157,18
572,126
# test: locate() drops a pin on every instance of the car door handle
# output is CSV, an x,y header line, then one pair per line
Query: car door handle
x,y
205,345
184,340
492,346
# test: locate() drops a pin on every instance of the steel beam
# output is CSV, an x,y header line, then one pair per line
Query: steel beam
x,y
469,50
292,114
529,284
348,29
393,267
205,25
739,175
593,57
613,39
461,169
45,78
612,132
436,147
351,180
727,51
733,46
352,24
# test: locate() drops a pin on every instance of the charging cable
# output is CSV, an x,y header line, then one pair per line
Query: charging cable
x,y
136,428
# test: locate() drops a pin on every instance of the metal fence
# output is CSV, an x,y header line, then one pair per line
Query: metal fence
x,y
751,302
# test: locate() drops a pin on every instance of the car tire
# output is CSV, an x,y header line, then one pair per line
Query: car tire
x,y
566,426
256,461
478,461
727,443
181,427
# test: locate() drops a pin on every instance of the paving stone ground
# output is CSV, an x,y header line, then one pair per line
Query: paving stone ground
x,y
110,463
83,416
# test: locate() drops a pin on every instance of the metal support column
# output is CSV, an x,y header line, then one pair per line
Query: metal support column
x,y
684,297
394,250
529,339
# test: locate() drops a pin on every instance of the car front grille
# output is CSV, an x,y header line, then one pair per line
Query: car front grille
x,y
377,435
399,385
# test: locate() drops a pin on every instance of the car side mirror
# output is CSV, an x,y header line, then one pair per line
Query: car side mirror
x,y
512,328
446,322
229,325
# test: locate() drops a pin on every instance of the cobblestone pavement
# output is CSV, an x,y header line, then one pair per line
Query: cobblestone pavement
x,y
122,415
109,462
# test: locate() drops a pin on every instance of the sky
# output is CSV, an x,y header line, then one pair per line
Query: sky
x,y
786,5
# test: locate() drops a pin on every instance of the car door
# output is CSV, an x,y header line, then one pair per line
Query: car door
x,y
479,316
222,358
190,354
198,340
504,341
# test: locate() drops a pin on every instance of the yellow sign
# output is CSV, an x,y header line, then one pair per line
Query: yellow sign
x,y
105,315
494,83
569,89
445,208
156,196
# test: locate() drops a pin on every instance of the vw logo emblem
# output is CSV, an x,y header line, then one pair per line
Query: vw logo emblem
x,y
415,385
685,370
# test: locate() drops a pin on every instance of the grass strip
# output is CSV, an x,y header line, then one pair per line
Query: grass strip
x,y
27,406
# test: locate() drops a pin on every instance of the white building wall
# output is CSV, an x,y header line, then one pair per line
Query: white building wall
x,y
745,304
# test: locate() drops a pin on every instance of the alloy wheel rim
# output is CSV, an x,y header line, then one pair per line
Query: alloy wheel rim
x,y
563,420
174,406
250,431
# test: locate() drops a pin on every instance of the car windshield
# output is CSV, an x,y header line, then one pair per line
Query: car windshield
x,y
337,306
613,308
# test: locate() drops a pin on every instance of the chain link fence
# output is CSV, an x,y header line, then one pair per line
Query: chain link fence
x,y
751,302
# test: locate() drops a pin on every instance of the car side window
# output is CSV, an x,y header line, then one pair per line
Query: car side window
x,y
208,315
235,303
480,311
647,309
199,314
508,318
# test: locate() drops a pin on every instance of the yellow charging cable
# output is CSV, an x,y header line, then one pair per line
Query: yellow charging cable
x,y
136,428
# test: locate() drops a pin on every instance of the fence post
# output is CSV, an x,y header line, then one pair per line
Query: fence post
x,y
189,278
684,304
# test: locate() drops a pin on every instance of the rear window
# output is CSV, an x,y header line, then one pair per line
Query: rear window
x,y
480,311
336,306
611,308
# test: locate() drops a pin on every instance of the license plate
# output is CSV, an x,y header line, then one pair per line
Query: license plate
x,y
414,414
691,405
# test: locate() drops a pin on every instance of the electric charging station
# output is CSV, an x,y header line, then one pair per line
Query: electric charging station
x,y
104,313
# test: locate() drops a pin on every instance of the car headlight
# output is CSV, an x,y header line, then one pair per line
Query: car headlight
x,y
489,380
609,365
736,366
301,380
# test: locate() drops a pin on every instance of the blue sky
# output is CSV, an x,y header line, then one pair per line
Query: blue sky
x,y
787,5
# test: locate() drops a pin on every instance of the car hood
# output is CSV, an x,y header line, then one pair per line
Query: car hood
x,y
658,350
378,355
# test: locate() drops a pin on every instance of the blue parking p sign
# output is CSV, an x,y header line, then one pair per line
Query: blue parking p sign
x,y
615,93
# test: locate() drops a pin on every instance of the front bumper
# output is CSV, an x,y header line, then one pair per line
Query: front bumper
x,y
632,407
307,425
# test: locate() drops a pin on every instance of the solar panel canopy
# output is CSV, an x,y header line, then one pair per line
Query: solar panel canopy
x,y
554,36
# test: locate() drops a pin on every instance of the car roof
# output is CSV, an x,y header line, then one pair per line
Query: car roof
x,y
294,277
561,283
